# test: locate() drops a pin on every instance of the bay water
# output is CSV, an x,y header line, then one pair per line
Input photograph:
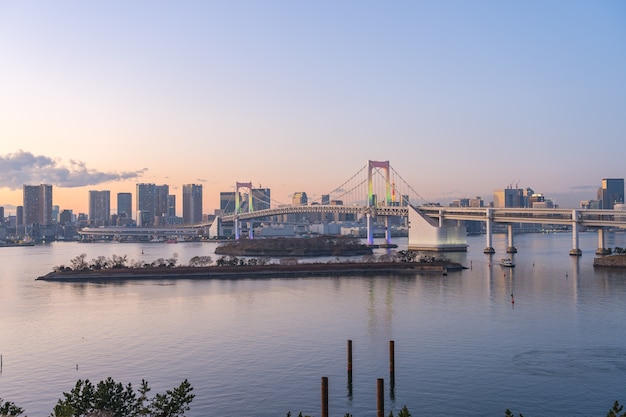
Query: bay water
x,y
259,347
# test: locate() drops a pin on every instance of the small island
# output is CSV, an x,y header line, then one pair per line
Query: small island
x,y
118,268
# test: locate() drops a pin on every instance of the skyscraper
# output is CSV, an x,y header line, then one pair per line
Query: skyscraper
x,y
192,203
261,199
38,204
146,203
611,192
125,205
227,202
160,202
171,206
99,207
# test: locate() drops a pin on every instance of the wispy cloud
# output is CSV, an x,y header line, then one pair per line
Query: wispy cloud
x,y
19,168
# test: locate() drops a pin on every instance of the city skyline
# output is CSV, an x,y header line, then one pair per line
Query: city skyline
x,y
462,98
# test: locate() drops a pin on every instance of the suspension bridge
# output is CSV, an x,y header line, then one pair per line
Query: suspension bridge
x,y
375,195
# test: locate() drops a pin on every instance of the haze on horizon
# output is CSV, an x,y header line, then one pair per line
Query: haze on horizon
x,y
461,97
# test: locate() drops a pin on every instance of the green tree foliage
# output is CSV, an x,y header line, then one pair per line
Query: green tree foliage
x,y
8,408
112,399
508,413
616,410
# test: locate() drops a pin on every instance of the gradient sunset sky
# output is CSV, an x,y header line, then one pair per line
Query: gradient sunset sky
x,y
462,97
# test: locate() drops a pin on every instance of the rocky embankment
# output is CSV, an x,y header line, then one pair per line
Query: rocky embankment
x,y
295,247
610,261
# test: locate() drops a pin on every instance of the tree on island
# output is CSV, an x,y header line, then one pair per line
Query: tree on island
x,y
111,399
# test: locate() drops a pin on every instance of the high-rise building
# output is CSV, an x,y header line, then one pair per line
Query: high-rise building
x,y
611,192
508,197
299,199
227,202
1,214
99,207
325,199
192,203
145,204
125,205
38,204
171,206
261,199
160,202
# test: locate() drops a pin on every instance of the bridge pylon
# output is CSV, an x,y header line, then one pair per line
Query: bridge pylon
x,y
247,186
371,165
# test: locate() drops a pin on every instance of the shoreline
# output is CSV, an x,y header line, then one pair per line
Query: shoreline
x,y
610,261
257,271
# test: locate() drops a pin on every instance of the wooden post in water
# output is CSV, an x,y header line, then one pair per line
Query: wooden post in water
x,y
380,398
350,359
350,369
324,396
392,368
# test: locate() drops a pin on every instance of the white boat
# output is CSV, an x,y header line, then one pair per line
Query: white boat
x,y
507,262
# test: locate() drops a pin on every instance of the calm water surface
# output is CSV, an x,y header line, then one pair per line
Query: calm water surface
x,y
260,347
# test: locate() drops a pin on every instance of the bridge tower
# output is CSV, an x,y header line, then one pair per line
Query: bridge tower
x,y
370,183
247,186
371,165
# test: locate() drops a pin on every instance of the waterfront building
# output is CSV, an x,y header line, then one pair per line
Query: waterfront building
x,y
2,214
160,202
192,203
145,204
37,204
124,205
611,192
19,215
99,207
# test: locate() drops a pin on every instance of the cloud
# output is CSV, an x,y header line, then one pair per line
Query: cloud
x,y
19,168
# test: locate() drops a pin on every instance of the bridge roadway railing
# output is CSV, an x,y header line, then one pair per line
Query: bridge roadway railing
x,y
585,217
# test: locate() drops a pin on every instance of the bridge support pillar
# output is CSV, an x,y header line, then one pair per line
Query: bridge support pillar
x,y
601,249
370,229
251,231
488,216
387,230
237,229
509,231
575,249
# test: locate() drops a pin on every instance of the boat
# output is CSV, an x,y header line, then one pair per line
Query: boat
x,y
507,262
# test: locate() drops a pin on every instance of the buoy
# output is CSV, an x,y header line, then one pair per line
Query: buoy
x,y
512,299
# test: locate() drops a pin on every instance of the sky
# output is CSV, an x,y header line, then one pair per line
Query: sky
x,y
462,97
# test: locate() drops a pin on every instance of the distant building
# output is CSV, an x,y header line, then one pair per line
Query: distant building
x,y
227,202
171,206
611,192
261,199
325,199
65,217
160,202
99,207
145,204
192,203
508,198
38,204
124,205
476,202
299,199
